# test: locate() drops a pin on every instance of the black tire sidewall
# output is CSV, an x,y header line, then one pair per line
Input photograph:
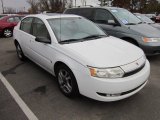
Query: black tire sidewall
x,y
23,57
75,91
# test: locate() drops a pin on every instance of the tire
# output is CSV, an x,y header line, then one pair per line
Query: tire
x,y
7,33
67,82
19,52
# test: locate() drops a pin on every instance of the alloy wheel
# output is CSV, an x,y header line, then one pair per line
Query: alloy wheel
x,y
64,80
7,33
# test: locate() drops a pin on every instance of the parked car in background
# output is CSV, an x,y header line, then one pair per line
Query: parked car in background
x,y
2,15
7,24
152,16
123,24
157,19
82,57
147,20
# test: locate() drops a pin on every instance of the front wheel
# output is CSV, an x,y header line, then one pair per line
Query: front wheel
x,y
67,81
7,33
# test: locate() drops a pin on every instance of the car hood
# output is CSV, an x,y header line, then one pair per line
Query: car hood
x,y
146,30
104,52
156,25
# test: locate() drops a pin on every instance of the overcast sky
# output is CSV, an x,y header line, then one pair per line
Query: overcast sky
x,y
19,4
15,4
22,3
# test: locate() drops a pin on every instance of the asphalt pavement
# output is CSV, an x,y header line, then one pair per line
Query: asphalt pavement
x,y
39,90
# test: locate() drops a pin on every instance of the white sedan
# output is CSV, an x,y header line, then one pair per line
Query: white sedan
x,y
83,58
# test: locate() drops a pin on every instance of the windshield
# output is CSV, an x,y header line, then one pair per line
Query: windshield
x,y
74,29
125,16
144,18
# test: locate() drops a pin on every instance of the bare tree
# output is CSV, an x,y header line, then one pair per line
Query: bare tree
x,y
10,10
104,2
2,6
49,5
44,5
34,5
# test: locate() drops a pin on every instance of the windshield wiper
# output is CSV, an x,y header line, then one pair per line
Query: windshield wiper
x,y
95,36
70,41
140,22
130,24
91,37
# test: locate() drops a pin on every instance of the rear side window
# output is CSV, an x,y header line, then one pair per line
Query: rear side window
x,y
17,19
85,12
103,16
11,19
26,25
39,29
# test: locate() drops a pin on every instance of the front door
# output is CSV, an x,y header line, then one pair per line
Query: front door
x,y
41,52
104,19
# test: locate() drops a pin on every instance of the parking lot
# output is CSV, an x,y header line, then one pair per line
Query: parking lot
x,y
39,90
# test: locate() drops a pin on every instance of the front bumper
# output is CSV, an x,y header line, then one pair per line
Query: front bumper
x,y
151,49
112,89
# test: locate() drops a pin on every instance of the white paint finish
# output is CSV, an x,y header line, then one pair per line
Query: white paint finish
x,y
29,114
101,53
106,52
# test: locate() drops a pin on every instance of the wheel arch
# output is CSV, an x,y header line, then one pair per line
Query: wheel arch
x,y
130,40
58,63
16,42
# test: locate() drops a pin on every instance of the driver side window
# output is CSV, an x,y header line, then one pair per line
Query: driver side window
x,y
102,16
39,29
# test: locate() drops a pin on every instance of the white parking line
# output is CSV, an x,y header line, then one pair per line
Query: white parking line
x,y
30,115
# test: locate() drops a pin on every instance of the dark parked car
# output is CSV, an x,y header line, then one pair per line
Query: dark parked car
x,y
157,19
7,24
147,20
123,24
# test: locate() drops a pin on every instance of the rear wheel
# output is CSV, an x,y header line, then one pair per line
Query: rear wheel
x,y
19,52
67,81
7,33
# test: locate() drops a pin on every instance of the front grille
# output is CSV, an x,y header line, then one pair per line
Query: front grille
x,y
134,71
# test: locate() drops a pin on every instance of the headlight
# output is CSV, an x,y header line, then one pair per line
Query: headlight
x,y
107,73
150,40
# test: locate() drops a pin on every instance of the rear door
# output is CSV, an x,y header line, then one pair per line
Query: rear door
x,y
25,36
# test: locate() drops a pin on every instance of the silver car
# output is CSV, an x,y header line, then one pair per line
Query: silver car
x,y
123,24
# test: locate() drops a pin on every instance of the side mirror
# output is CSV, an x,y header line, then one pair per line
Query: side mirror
x,y
43,40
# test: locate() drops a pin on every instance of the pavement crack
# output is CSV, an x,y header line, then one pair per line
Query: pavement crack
x,y
11,70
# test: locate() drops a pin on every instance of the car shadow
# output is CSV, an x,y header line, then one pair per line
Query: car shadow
x,y
153,58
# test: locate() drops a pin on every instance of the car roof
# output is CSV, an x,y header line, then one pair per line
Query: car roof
x,y
105,7
51,15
